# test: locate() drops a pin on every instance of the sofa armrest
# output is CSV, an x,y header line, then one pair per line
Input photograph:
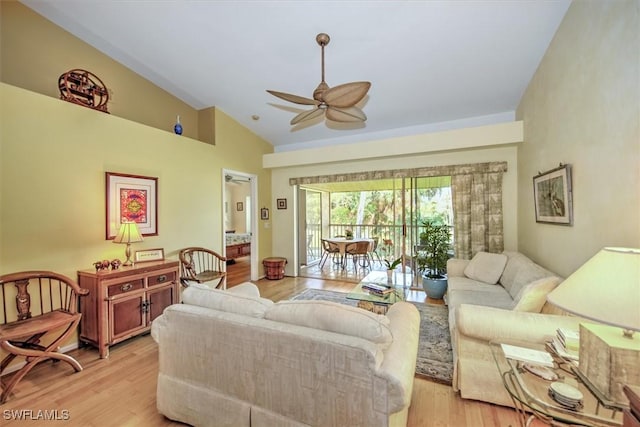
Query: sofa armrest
x,y
499,325
399,363
247,289
456,266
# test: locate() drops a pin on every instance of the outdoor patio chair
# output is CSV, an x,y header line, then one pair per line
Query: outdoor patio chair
x,y
359,253
332,250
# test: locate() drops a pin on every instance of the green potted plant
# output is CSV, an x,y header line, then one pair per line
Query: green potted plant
x,y
433,253
392,264
388,258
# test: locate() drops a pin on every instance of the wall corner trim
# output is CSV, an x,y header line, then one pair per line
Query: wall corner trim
x,y
458,139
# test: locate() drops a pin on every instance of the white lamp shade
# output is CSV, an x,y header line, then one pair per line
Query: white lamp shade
x,y
128,233
605,289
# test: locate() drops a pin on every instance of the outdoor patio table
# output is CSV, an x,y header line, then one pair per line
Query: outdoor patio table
x,y
342,243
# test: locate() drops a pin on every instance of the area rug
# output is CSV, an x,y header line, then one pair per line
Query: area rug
x,y
435,358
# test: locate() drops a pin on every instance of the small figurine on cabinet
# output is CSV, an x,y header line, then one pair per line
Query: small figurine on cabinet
x,y
115,264
102,265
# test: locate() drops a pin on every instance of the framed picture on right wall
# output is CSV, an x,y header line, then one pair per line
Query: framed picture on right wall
x,y
553,196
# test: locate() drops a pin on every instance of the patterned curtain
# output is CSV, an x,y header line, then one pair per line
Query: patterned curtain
x,y
477,213
427,171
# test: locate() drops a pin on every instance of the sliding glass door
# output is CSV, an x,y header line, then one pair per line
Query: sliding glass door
x,y
389,210
310,223
427,199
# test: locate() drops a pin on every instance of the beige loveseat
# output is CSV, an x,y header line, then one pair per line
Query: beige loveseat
x,y
231,358
498,298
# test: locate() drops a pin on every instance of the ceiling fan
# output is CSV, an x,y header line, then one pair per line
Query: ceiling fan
x,y
236,179
336,103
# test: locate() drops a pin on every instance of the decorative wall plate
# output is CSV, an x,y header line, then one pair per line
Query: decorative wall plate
x,y
84,88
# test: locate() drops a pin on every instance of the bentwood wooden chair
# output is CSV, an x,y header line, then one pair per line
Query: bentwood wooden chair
x,y
39,312
202,265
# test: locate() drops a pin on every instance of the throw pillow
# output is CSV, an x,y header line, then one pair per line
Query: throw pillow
x,y
486,267
333,317
532,297
528,272
203,296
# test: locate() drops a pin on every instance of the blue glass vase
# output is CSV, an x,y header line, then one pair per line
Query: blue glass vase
x,y
178,127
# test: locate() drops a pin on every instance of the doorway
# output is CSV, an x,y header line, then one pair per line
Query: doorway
x,y
240,225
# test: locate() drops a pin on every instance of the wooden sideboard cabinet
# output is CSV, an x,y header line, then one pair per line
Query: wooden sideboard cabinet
x,y
122,303
237,251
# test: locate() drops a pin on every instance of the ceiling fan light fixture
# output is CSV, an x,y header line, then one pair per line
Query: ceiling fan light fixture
x,y
337,103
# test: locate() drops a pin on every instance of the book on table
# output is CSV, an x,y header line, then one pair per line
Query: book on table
x,y
376,289
564,352
569,338
528,355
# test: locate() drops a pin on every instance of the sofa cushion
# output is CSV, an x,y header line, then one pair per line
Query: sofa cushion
x,y
532,297
499,298
515,261
204,296
527,273
333,317
486,267
465,284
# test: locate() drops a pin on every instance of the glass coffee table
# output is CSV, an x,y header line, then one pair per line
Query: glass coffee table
x,y
399,285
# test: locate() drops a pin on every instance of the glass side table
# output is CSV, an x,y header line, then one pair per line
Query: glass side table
x,y
531,399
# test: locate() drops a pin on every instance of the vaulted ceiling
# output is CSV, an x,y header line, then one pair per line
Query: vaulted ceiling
x,y
433,65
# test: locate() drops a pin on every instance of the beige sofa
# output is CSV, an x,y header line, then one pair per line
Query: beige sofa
x,y
231,358
497,298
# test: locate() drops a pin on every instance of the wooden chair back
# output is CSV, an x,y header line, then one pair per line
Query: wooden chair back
x,y
357,248
330,247
359,252
201,265
34,293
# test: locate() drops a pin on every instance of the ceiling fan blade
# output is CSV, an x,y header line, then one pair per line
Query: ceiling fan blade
x,y
346,95
307,115
293,98
346,115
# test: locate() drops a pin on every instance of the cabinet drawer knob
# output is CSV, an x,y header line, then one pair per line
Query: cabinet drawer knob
x,y
162,278
126,287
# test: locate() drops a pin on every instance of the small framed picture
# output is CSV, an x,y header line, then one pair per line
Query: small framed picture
x,y
264,213
149,255
281,203
239,206
553,196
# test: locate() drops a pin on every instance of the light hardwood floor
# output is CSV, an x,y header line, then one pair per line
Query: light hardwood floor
x,y
120,391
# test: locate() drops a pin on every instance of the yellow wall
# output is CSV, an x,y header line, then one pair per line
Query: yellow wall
x,y
54,153
53,161
35,52
582,107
